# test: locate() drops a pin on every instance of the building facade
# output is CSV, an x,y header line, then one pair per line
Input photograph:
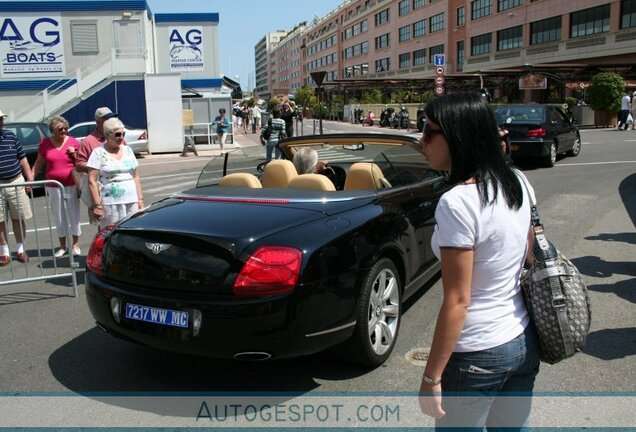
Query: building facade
x,y
399,39
69,57
262,63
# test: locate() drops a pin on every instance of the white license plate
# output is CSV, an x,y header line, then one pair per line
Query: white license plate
x,y
160,316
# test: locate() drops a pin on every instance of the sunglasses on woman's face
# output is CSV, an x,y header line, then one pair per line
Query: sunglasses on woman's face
x,y
429,132
62,129
119,134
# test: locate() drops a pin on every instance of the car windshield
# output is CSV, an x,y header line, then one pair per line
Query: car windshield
x,y
507,114
400,162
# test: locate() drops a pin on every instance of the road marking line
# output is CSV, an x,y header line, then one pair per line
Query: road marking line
x,y
596,163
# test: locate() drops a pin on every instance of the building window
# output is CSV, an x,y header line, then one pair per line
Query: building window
x,y
480,8
547,30
84,37
419,28
418,3
365,68
628,13
382,17
405,33
437,49
383,65
405,60
405,7
590,21
437,22
481,44
382,41
461,56
419,57
503,5
509,38
364,25
461,16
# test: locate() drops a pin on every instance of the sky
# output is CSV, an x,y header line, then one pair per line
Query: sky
x,y
243,23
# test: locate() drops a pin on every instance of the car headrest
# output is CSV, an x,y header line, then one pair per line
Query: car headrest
x,y
364,175
278,173
312,181
245,180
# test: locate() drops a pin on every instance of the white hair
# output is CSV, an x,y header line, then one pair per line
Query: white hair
x,y
305,160
112,124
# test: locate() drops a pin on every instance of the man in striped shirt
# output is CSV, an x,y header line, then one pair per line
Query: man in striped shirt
x,y
13,200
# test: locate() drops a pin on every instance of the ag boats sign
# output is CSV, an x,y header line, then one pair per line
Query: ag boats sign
x,y
186,49
31,46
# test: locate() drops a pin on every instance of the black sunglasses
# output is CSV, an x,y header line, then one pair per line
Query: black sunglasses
x,y
62,129
119,134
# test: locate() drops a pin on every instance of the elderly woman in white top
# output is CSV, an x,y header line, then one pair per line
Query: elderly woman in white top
x,y
112,177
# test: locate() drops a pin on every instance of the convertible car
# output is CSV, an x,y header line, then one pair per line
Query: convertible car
x,y
258,262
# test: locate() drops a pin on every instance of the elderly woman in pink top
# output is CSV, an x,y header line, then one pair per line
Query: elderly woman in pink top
x,y
58,152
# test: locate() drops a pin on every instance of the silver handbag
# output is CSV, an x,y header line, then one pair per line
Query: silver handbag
x,y
557,299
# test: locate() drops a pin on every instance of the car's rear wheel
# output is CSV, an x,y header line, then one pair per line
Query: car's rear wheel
x,y
551,158
576,146
378,316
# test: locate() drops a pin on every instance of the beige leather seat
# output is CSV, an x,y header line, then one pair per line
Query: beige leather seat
x,y
245,180
278,173
365,175
312,181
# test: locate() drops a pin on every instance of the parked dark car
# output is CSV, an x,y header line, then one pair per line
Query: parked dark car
x,y
30,134
255,265
539,131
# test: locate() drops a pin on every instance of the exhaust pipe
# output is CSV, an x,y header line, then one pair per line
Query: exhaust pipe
x,y
252,356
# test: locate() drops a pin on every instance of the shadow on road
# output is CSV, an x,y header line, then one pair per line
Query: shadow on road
x,y
611,344
627,191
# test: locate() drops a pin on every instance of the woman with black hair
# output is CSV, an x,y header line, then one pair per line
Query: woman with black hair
x,y
484,356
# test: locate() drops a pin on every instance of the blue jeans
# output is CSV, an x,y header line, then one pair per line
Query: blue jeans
x,y
491,388
272,144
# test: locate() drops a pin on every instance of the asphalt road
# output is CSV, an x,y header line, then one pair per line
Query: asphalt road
x,y
51,351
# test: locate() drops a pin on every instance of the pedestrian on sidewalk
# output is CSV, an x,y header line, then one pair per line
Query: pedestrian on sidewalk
x,y
14,168
222,125
272,134
626,107
256,118
58,153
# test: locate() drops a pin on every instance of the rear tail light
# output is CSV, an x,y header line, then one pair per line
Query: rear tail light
x,y
268,271
144,135
94,261
536,133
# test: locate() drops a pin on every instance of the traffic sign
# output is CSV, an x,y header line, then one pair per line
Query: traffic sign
x,y
439,60
439,70
439,90
439,80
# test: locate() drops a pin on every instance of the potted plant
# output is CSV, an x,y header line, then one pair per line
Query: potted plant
x,y
605,93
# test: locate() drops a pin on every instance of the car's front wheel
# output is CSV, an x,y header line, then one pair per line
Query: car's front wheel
x,y
576,146
378,315
551,158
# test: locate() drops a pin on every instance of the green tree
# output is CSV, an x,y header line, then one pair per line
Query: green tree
x,y
606,91
303,96
272,103
372,96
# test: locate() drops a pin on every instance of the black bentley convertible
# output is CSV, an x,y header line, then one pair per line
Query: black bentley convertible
x,y
259,262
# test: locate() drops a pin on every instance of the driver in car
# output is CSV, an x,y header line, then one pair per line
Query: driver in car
x,y
306,162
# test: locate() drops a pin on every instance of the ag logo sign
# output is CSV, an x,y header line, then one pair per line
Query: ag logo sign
x,y
31,46
186,48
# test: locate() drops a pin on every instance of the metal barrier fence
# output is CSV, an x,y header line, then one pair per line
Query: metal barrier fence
x,y
42,263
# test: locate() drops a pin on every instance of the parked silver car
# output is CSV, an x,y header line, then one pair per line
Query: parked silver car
x,y
137,139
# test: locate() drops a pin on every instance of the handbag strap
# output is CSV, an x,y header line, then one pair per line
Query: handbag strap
x,y
558,299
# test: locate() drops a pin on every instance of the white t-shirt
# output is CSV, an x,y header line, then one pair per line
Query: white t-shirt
x,y
116,182
625,102
498,237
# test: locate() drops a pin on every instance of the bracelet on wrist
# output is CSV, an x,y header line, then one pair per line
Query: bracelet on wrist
x,y
428,380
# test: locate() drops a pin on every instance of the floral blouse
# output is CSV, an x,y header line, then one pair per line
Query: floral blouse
x,y
116,182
